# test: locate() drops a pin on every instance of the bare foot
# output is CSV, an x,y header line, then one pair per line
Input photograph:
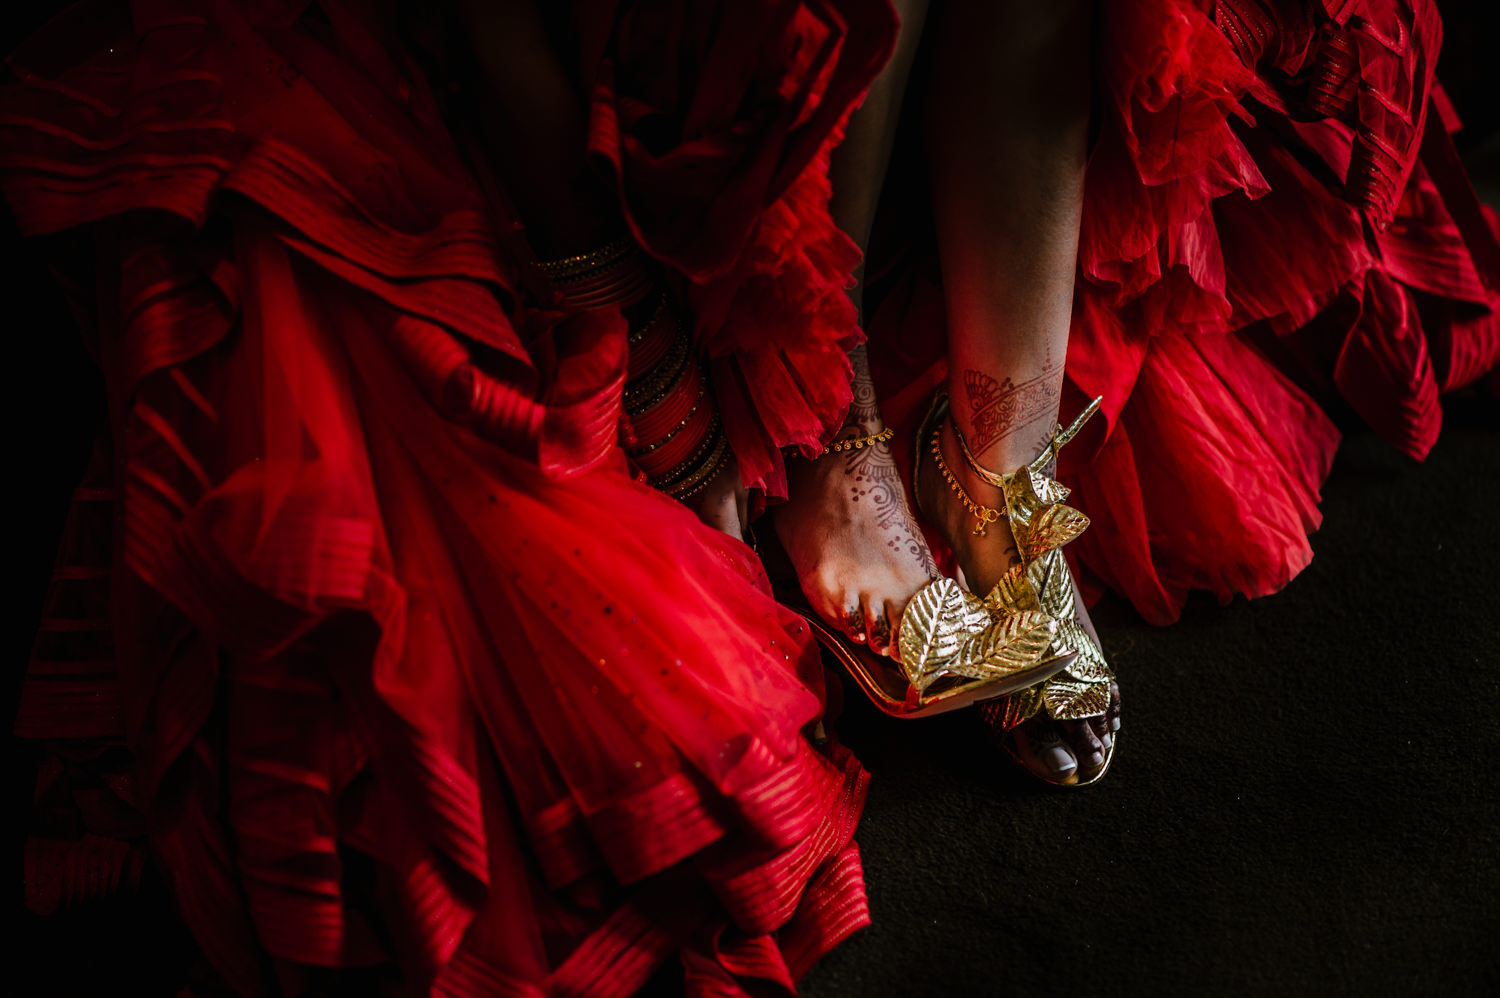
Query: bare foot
x,y
1056,750
725,503
848,530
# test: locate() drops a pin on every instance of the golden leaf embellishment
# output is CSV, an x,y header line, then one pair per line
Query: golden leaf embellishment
x,y
932,629
1013,593
1088,664
1021,500
1013,644
1073,701
1015,709
976,615
1052,583
1054,527
1050,490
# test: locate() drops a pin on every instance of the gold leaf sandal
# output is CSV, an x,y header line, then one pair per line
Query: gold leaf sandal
x,y
950,651
1041,525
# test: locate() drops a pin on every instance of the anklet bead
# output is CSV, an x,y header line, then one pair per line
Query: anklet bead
x,y
859,443
984,514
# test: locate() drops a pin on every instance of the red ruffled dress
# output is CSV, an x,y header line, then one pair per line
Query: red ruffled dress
x,y
1275,224
413,673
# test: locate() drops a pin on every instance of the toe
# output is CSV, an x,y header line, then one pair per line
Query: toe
x,y
1113,714
877,626
1086,746
839,609
1044,753
854,622
1101,730
893,611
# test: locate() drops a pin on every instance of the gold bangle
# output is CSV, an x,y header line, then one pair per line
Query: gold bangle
x,y
693,463
858,443
574,267
699,480
659,382
984,514
697,403
637,335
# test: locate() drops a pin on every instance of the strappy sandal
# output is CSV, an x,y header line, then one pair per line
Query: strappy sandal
x,y
1041,525
950,650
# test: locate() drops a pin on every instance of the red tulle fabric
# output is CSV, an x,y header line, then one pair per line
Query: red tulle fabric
x,y
413,673
1274,219
720,154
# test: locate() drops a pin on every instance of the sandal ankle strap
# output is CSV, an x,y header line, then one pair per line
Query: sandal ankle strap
x,y
1060,436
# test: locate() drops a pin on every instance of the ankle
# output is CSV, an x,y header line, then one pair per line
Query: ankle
x,y
983,462
965,504
979,490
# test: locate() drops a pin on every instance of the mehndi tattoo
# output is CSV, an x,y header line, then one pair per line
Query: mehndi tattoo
x,y
873,471
1000,409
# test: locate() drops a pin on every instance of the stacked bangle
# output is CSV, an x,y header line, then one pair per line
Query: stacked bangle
x,y
615,275
675,436
672,431
701,470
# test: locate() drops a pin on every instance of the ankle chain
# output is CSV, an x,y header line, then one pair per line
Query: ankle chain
x,y
858,443
984,514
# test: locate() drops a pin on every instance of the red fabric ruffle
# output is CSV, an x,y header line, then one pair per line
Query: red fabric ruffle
x,y
720,155
1244,261
411,670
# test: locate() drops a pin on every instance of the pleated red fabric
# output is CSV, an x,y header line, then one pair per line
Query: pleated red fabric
x,y
1274,223
414,674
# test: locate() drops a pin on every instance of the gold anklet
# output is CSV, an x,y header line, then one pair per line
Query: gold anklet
x,y
857,443
984,514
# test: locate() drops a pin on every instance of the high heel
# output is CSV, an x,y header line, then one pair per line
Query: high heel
x,y
1041,525
950,649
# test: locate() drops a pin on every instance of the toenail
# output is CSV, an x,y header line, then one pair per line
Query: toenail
x,y
1095,758
1058,759
1108,741
1114,724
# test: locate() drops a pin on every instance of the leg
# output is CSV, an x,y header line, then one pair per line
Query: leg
x,y
846,527
1008,129
530,103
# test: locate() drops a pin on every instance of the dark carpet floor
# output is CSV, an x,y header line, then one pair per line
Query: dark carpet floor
x,y
1301,802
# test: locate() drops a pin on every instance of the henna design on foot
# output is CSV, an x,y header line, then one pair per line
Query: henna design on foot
x,y
854,622
873,475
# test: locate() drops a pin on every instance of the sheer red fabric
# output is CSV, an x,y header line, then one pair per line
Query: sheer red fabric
x,y
1274,220
412,671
